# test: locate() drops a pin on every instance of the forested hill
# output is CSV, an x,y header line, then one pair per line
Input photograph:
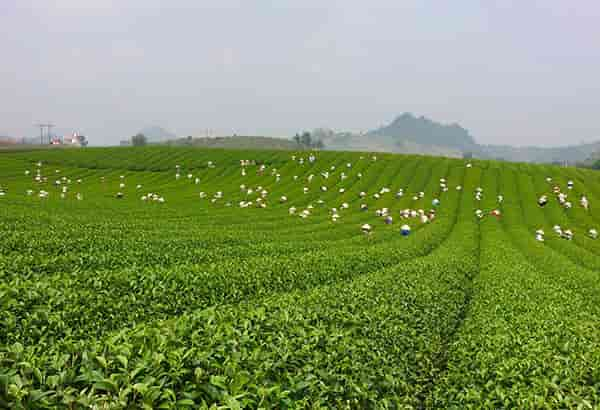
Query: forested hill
x,y
421,130
408,133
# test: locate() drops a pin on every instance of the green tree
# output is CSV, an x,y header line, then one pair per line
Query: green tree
x,y
82,140
305,139
139,140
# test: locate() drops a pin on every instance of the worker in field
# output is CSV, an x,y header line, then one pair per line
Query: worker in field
x,y
562,198
584,202
543,200
567,234
539,235
405,230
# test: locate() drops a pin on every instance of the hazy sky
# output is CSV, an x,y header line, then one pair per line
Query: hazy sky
x,y
524,72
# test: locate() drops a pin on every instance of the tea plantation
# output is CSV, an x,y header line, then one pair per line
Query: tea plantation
x,y
164,277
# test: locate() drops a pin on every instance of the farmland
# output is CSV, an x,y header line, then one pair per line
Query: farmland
x,y
212,283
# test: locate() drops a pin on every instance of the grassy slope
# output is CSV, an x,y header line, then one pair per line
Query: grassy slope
x,y
191,303
238,142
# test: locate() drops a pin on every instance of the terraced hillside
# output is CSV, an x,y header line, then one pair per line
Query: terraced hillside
x,y
211,284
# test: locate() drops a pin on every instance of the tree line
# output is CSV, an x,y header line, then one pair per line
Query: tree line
x,y
306,140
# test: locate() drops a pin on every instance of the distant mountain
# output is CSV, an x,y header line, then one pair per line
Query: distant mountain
x,y
568,154
593,161
423,131
347,141
407,134
419,135
157,134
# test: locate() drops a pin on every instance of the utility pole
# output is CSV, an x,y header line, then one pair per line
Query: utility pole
x,y
49,132
41,133
48,126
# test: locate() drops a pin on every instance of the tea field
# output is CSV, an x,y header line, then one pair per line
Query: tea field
x,y
168,277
